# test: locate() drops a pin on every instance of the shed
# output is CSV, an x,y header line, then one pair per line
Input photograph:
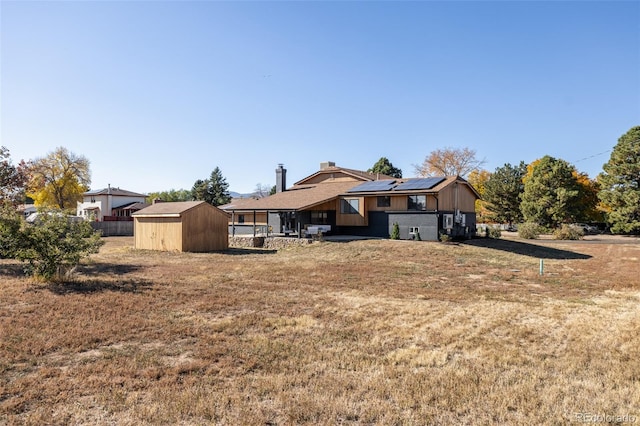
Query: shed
x,y
191,226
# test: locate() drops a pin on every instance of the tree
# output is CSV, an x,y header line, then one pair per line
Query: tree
x,y
12,179
384,166
449,162
620,184
214,190
59,179
261,191
170,195
478,179
551,193
199,190
502,193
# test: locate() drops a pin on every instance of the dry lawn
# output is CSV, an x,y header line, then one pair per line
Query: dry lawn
x,y
364,332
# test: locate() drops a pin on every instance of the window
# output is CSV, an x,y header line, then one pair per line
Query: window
x,y
240,218
384,201
349,206
319,218
417,202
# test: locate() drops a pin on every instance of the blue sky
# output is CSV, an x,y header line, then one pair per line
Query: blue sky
x,y
157,94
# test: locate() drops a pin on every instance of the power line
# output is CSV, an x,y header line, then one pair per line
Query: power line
x,y
593,156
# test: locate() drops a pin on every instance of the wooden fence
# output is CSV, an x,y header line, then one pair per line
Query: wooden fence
x,y
115,228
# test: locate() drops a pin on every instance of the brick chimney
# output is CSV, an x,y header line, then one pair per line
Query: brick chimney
x,y
281,179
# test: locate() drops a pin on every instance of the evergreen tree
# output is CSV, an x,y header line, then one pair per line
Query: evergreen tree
x,y
214,190
199,190
551,193
502,193
384,166
620,184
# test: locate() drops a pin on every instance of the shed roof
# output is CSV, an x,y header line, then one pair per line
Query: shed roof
x,y
172,209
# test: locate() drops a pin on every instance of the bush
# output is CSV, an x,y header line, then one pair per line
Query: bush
x,y
10,224
529,230
445,238
52,248
568,232
395,232
494,232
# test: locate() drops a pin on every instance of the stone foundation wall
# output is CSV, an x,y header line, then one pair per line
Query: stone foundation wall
x,y
267,242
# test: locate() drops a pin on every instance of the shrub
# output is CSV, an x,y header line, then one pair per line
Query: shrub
x,y
10,223
529,230
395,232
52,248
494,232
568,232
445,238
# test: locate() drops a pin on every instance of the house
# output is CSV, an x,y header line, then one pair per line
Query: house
x,y
110,204
351,202
187,226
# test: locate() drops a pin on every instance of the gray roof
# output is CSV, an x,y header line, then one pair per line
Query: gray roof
x,y
114,191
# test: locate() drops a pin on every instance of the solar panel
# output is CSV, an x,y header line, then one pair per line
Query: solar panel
x,y
374,185
420,183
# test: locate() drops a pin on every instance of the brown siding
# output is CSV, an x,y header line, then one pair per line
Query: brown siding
x,y
204,229
466,198
331,177
158,233
329,205
359,219
200,229
399,203
261,218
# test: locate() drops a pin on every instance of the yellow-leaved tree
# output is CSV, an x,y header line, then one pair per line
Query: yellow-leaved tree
x,y
478,178
58,179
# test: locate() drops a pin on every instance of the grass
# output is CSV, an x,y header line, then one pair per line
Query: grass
x,y
366,332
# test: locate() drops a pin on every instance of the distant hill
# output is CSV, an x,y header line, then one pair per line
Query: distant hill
x,y
238,195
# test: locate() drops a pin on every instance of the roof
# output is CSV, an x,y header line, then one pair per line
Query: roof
x,y
298,197
171,209
114,191
358,174
132,206
301,197
394,189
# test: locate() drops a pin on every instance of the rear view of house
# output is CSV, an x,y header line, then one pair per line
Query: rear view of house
x,y
189,226
351,202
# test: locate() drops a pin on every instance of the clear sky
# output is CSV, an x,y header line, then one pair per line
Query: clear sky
x,y
156,94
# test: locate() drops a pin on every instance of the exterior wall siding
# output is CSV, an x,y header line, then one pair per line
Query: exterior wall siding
x,y
204,230
158,233
427,224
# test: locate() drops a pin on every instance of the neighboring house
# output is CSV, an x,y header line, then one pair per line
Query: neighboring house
x,y
110,204
186,226
351,202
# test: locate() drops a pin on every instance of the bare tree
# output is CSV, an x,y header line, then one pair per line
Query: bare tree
x,y
261,191
449,162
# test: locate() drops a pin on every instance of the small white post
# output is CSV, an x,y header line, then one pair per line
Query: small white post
x,y
541,266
